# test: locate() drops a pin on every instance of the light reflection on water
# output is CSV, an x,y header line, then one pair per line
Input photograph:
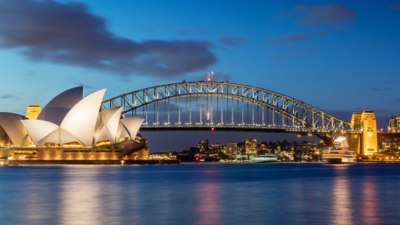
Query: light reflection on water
x,y
370,200
281,193
342,210
81,199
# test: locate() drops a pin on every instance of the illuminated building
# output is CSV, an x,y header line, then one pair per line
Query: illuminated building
x,y
33,111
71,127
251,146
231,148
394,124
203,145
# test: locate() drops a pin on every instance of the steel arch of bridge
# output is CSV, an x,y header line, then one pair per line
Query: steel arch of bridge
x,y
300,113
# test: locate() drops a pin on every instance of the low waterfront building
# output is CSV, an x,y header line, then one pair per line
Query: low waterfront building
x,y
162,156
251,146
394,124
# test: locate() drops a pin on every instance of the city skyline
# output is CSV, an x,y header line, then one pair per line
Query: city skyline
x,y
336,57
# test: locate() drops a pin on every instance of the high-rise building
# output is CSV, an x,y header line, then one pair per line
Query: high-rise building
x,y
231,148
203,145
394,124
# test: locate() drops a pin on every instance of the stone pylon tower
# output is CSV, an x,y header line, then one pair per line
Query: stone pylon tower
x,y
33,111
367,142
355,139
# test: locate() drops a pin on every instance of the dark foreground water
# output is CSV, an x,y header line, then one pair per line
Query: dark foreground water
x,y
280,193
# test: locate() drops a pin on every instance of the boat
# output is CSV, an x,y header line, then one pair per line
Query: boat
x,y
263,158
340,153
337,155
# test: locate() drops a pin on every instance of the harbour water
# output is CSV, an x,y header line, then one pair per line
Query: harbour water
x,y
277,193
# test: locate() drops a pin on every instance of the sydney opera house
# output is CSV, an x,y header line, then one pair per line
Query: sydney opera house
x,y
71,129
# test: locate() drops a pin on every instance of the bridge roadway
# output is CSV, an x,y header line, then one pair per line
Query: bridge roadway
x,y
246,128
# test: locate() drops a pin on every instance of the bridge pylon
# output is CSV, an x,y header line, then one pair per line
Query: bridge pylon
x,y
367,142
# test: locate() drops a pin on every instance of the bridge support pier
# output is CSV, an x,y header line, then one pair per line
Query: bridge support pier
x,y
327,140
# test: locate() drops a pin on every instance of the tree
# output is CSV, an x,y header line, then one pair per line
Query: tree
x,y
261,152
222,155
285,142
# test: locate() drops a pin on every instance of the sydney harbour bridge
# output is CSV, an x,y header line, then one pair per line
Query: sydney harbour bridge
x,y
225,106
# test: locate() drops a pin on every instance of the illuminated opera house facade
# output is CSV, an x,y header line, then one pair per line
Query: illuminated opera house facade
x,y
71,128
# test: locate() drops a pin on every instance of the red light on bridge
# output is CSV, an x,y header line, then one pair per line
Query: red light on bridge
x,y
212,128
196,159
209,79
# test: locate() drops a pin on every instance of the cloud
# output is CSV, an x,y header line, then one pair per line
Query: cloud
x,y
68,34
228,40
8,96
296,37
309,50
324,14
394,7
166,27
380,89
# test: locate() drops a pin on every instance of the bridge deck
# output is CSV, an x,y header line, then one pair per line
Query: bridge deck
x,y
236,128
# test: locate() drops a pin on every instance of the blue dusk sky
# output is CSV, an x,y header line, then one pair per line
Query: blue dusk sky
x,y
339,56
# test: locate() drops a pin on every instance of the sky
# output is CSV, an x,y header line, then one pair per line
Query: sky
x,y
338,56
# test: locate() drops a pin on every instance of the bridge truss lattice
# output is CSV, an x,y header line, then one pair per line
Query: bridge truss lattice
x,y
231,106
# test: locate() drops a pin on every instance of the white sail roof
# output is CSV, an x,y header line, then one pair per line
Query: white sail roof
x,y
59,136
12,125
38,129
132,124
107,124
58,107
42,131
3,136
81,119
122,132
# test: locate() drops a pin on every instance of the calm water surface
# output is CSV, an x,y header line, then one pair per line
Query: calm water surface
x,y
280,193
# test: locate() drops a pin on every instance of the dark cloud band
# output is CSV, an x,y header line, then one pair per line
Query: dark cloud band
x,y
68,34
